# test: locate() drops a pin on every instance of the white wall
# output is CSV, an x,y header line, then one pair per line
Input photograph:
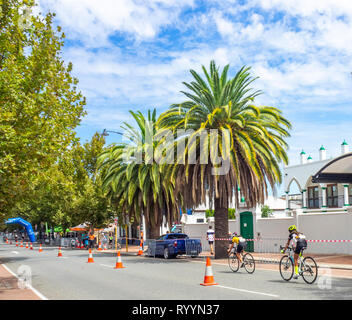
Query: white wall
x,y
327,226
198,231
274,231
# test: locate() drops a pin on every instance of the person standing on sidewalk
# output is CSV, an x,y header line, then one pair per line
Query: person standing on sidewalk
x,y
210,238
91,240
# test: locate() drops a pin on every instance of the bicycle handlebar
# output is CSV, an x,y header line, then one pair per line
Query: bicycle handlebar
x,y
288,248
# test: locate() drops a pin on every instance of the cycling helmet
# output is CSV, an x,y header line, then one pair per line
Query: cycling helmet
x,y
291,228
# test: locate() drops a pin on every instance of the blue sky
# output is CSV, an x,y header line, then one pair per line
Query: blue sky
x,y
134,55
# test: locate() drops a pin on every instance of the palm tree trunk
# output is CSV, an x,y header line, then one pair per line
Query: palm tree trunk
x,y
153,231
221,229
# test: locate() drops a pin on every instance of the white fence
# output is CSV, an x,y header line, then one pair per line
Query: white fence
x,y
324,230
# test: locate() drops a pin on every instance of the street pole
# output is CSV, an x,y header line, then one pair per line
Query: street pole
x,y
126,231
116,237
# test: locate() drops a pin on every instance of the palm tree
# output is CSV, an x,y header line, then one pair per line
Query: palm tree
x,y
135,181
250,139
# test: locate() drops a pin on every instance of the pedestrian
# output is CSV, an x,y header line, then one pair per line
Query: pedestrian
x,y
210,238
110,240
91,240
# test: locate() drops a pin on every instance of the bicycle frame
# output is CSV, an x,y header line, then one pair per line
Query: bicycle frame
x,y
300,259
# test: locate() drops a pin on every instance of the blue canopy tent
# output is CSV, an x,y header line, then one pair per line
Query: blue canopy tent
x,y
25,224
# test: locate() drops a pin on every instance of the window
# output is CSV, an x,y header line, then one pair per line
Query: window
x,y
313,197
331,196
350,194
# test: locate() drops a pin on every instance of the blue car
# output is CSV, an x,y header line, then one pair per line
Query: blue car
x,y
172,244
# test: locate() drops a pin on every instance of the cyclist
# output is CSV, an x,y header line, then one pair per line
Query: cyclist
x,y
298,242
241,243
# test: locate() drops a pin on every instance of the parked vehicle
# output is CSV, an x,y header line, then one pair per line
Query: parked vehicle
x,y
172,244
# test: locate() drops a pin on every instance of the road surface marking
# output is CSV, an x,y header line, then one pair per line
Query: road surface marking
x,y
248,291
104,265
15,252
41,296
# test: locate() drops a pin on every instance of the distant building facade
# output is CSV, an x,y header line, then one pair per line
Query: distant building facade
x,y
321,197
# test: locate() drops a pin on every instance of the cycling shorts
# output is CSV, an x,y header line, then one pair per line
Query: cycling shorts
x,y
240,247
301,244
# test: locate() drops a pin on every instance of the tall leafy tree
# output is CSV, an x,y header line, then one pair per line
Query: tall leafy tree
x,y
69,192
134,178
39,99
249,138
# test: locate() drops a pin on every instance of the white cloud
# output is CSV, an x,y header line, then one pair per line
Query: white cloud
x,y
94,21
301,50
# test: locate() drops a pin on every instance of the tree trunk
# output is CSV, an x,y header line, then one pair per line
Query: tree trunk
x,y
221,230
153,232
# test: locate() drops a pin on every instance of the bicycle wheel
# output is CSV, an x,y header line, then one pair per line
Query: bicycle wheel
x,y
286,268
234,264
309,270
249,263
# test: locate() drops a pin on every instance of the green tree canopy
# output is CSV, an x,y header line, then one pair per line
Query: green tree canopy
x,y
40,103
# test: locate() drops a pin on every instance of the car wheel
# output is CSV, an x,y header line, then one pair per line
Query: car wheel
x,y
166,253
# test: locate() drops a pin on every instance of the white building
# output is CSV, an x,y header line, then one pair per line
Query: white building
x,y
322,197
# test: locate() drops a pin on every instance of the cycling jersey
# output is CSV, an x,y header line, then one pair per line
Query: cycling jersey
x,y
238,239
241,243
298,241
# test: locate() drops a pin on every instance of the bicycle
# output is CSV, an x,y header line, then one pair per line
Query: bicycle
x,y
307,267
247,258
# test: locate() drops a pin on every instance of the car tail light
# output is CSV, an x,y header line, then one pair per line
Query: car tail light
x,y
175,243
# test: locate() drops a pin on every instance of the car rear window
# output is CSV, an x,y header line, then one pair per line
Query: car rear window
x,y
177,236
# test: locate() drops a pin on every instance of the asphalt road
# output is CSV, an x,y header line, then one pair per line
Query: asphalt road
x,y
71,277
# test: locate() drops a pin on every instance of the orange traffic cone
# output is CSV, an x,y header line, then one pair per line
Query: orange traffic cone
x,y
118,261
27,245
40,248
100,248
105,248
140,251
208,278
31,248
90,258
16,244
21,246
7,241
60,253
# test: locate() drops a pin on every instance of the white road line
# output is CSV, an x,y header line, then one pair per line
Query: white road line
x,y
15,252
104,265
41,296
248,291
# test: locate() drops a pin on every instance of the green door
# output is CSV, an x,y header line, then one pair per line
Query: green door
x,y
246,222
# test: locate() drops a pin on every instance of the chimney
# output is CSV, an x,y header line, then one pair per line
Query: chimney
x,y
309,159
322,153
344,147
303,157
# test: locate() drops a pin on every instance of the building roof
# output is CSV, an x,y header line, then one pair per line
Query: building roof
x,y
338,170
